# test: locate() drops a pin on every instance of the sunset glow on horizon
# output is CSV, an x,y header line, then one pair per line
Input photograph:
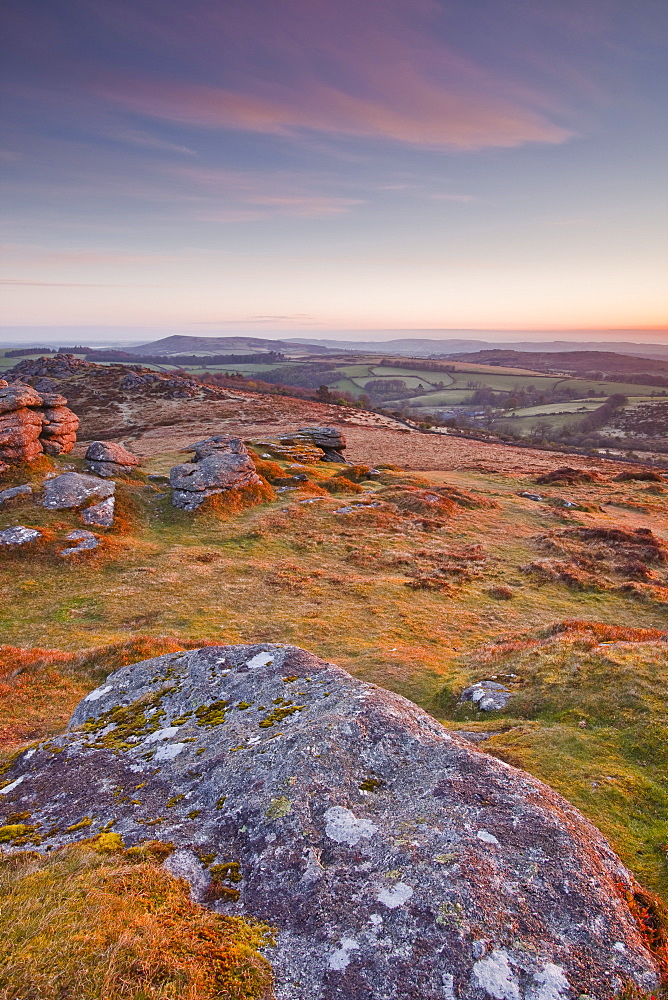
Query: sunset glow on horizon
x,y
311,166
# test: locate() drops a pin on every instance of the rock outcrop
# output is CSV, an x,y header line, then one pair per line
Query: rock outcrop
x,y
394,858
32,423
330,439
106,458
220,463
487,695
306,446
288,448
15,491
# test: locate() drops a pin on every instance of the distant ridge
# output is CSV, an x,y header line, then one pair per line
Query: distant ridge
x,y
423,347
582,362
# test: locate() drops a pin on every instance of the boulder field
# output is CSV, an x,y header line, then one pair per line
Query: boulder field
x,y
396,861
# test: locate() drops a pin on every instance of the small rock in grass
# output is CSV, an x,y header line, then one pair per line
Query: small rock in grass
x,y
15,491
487,695
85,541
19,535
100,514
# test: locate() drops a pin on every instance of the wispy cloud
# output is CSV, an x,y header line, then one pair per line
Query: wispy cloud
x,y
135,137
66,284
406,109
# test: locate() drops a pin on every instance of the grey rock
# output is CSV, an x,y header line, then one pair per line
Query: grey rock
x,y
325,437
189,501
224,464
15,491
73,489
108,459
19,535
48,386
216,471
85,542
487,695
110,451
531,496
397,861
100,514
219,443
109,469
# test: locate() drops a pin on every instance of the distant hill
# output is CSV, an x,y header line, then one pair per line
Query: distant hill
x,y
421,347
218,345
588,364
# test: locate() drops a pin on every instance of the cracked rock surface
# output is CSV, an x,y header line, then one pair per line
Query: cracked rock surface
x,y
74,489
221,463
397,861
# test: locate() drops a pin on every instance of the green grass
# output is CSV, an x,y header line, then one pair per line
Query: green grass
x,y
443,397
591,720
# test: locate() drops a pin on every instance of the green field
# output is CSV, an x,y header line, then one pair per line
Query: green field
x,y
443,397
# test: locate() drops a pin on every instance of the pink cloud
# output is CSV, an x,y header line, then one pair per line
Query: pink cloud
x,y
381,69
413,111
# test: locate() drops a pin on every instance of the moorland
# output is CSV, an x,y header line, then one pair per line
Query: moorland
x,y
425,564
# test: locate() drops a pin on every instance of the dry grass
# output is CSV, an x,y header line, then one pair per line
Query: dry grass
x,y
604,558
79,924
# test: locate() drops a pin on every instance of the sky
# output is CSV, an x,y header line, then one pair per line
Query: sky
x,y
232,166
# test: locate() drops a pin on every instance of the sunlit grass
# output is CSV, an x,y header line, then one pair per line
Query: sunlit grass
x,y
81,924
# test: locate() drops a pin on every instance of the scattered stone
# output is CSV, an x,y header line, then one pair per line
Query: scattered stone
x,y
487,695
220,464
100,514
19,535
85,541
531,496
73,489
330,439
32,423
391,855
107,458
15,491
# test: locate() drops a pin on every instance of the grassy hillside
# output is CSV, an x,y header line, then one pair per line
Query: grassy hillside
x,y
408,591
